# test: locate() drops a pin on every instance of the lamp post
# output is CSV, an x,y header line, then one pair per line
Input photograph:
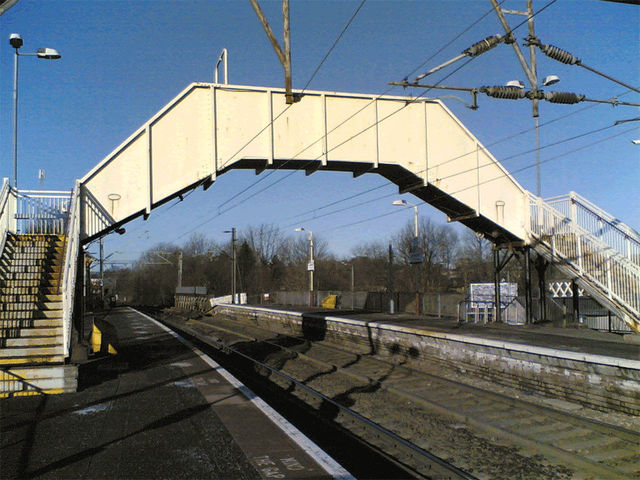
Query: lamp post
x,y
45,53
415,255
233,263
311,265
353,283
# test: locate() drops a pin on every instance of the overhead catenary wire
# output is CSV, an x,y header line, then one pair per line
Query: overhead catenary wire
x,y
393,212
461,172
497,142
418,98
347,140
279,167
317,69
264,177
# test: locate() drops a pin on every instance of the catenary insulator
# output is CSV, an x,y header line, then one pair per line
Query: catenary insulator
x,y
483,45
559,54
509,93
563,97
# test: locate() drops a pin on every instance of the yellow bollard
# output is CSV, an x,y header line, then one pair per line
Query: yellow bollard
x,y
96,339
330,301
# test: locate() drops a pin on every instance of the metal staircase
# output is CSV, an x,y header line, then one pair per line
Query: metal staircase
x,y
601,253
39,240
31,317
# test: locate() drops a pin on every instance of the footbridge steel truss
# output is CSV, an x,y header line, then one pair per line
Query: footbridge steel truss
x,y
416,143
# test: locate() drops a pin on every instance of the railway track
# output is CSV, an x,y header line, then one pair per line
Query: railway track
x,y
484,433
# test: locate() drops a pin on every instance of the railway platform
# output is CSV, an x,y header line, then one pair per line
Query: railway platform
x,y
620,349
159,408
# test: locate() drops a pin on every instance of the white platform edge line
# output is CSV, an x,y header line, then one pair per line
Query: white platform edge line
x,y
487,342
323,459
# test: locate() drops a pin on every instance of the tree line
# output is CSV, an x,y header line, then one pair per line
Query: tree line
x,y
270,260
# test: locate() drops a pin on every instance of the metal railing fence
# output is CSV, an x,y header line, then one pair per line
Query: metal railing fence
x,y
41,212
570,244
600,224
36,212
5,212
482,312
70,267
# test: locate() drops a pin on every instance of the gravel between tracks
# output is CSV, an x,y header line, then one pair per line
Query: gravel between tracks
x,y
476,452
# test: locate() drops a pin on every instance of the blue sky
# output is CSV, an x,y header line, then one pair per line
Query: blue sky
x,y
123,60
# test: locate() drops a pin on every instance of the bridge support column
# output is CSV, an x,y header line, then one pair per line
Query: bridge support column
x,y
541,267
528,298
576,301
498,266
496,284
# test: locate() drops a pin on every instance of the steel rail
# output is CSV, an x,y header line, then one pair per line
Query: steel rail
x,y
545,448
423,458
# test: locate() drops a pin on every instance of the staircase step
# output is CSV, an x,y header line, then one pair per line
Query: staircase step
x,y
29,306
31,276
35,359
30,298
30,314
38,379
35,290
22,353
29,283
35,266
49,331
30,323
33,342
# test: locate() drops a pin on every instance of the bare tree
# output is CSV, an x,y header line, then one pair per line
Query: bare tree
x,y
266,241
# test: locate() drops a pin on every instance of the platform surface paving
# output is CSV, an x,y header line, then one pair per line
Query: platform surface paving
x,y
157,409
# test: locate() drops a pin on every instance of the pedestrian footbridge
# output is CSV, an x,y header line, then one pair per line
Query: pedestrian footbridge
x,y
416,143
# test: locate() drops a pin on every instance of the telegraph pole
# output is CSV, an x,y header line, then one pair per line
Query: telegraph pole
x,y
101,270
391,303
179,269
234,267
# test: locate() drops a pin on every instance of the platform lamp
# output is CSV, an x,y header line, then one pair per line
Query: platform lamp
x,y
311,265
415,256
44,53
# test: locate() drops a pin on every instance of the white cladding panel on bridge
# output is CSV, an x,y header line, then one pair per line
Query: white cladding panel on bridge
x,y
496,188
242,125
207,128
299,132
402,133
182,147
351,129
452,157
120,187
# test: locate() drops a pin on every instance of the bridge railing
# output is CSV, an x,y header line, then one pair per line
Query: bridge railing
x,y
41,212
600,224
70,267
7,206
594,260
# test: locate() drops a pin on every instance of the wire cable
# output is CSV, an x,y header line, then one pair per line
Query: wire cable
x,y
359,222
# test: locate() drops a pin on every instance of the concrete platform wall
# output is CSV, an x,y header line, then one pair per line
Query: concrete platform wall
x,y
603,383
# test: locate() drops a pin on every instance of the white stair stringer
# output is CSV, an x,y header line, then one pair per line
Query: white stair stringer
x,y
606,274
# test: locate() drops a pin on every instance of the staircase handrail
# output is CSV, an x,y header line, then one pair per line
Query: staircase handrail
x,y
4,213
70,266
618,235
621,285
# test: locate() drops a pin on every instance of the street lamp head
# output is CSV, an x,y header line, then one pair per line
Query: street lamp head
x,y
550,80
300,229
515,83
400,203
636,142
15,40
48,53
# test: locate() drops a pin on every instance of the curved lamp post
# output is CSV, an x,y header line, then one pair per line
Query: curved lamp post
x,y
311,265
415,247
44,53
